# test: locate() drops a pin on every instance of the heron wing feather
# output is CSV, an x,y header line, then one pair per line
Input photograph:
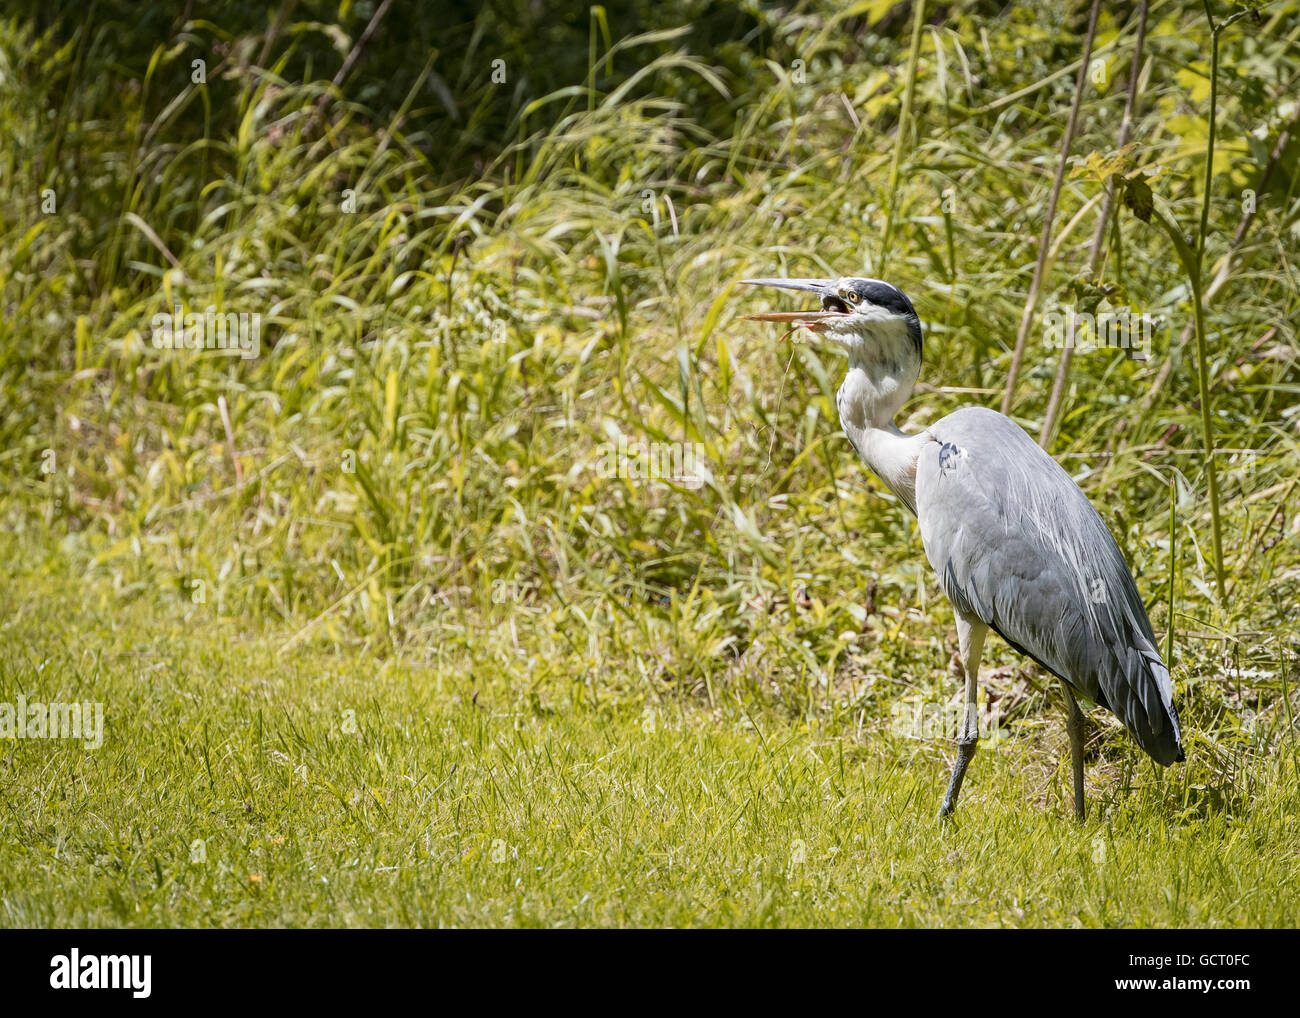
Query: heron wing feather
x,y
1018,546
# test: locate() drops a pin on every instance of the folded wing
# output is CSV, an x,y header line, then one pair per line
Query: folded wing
x,y
1017,545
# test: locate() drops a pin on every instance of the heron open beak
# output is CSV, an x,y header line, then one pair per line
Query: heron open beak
x,y
832,307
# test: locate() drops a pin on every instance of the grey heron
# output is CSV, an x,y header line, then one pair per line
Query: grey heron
x,y
1017,546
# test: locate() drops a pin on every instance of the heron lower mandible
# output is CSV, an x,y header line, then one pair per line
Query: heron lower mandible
x,y
1018,547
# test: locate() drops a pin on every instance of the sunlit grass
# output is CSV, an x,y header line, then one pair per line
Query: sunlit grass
x,y
236,787
411,508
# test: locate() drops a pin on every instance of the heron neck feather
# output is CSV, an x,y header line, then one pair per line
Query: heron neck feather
x,y
883,367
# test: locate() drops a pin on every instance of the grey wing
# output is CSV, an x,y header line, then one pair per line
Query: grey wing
x,y
1018,546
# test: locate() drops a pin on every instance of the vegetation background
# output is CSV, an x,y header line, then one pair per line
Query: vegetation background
x,y
379,643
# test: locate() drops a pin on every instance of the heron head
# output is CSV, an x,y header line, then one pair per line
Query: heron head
x,y
856,313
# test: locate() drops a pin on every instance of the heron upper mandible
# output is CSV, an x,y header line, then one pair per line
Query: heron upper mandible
x,y
1018,547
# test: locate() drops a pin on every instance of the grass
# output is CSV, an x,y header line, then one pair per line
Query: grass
x,y
330,789
398,504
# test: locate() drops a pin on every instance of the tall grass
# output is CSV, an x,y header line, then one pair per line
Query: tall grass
x,y
412,463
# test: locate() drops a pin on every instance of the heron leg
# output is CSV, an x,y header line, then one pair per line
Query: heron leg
x,y
970,641
1074,726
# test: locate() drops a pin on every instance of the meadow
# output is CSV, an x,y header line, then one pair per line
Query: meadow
x,y
509,578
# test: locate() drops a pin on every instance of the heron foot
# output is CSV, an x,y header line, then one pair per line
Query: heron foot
x,y
966,747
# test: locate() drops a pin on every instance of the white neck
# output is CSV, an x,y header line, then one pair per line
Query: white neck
x,y
883,367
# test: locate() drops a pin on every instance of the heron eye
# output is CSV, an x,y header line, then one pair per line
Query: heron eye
x,y
851,296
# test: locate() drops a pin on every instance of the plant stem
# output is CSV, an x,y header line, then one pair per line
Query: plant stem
x,y
1209,145
1189,256
1173,570
1203,385
904,130
1035,284
1057,399
1202,373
